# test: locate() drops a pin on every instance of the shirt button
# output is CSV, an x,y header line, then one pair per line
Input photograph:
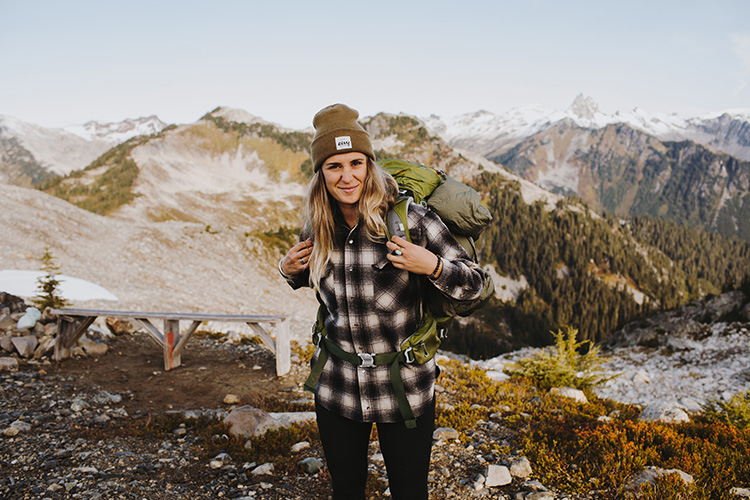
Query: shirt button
x,y
351,242
351,269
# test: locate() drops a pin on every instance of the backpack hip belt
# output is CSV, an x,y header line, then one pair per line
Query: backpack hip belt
x,y
416,353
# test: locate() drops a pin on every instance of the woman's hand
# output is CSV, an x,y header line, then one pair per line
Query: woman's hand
x,y
411,257
297,259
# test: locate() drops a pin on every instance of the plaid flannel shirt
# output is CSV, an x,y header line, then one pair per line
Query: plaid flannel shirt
x,y
373,307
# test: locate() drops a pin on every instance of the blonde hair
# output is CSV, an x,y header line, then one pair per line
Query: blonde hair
x,y
378,196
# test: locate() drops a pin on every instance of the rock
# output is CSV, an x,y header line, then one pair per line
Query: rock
x,y
8,364
540,495
248,421
78,404
445,434
681,344
29,319
231,399
7,322
740,492
16,428
120,326
104,398
265,469
287,418
497,475
10,432
50,329
569,392
45,348
664,411
302,445
310,465
93,347
25,345
6,343
13,303
720,306
220,461
650,474
521,468
690,404
479,482
745,313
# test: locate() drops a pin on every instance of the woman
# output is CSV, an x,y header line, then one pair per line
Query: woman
x,y
370,290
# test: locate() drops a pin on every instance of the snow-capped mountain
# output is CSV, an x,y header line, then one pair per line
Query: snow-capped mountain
x,y
30,153
491,134
118,132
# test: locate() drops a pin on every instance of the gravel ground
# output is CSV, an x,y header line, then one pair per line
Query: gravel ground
x,y
68,430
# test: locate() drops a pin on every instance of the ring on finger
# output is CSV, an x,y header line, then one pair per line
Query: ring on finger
x,y
302,261
398,252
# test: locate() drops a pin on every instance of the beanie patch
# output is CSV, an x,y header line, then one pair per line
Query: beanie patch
x,y
343,142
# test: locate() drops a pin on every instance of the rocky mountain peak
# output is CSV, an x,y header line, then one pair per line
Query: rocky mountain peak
x,y
584,107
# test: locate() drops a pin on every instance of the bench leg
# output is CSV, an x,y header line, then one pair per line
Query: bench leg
x,y
283,348
171,339
69,330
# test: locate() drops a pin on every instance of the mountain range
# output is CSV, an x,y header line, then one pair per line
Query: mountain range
x,y
236,179
31,154
694,171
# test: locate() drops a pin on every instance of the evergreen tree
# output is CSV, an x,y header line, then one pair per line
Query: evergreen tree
x,y
48,294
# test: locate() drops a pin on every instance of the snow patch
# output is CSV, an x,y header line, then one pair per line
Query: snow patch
x,y
24,284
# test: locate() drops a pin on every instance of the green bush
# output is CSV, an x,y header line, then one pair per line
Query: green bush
x,y
562,365
734,412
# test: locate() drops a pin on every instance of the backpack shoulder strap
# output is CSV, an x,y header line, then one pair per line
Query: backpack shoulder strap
x,y
397,224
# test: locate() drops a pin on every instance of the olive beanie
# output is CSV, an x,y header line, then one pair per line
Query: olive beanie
x,y
336,132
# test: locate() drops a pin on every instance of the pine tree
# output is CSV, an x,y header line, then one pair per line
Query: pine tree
x,y
47,286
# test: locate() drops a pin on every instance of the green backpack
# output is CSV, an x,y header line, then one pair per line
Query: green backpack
x,y
460,208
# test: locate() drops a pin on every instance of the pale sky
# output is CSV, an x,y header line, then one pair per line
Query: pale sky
x,y
67,62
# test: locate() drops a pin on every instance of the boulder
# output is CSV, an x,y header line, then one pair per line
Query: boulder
x,y
569,392
664,411
445,434
6,343
248,421
722,305
521,467
25,345
497,475
93,347
650,474
11,302
45,348
120,326
29,319
311,465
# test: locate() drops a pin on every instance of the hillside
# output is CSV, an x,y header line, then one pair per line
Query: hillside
x,y
168,266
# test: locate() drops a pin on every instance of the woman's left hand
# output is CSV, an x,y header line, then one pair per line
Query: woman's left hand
x,y
411,257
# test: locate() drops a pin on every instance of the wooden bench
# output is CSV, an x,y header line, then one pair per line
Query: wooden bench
x,y
72,323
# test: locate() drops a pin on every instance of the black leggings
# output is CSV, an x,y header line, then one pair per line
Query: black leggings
x,y
406,453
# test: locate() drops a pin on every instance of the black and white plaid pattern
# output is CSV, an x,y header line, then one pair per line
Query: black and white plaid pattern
x,y
373,307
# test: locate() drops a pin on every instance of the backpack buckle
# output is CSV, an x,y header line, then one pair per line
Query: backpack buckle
x,y
316,338
442,333
409,355
368,360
